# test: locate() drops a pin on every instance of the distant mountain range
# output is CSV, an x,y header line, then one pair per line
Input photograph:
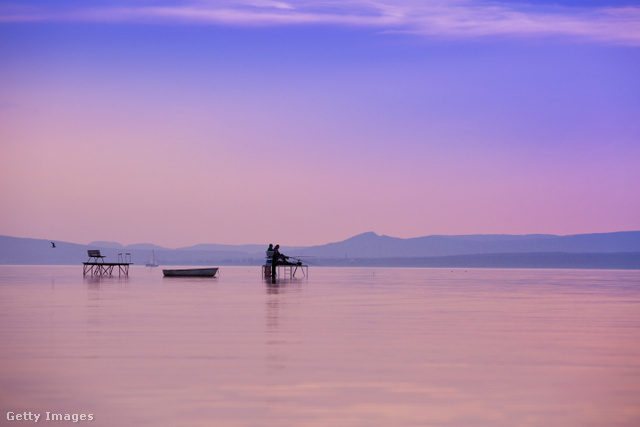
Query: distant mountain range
x,y
601,250
371,245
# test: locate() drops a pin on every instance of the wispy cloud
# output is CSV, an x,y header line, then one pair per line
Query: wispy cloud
x,y
436,18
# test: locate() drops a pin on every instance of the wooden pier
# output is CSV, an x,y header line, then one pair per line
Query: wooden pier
x,y
286,267
96,266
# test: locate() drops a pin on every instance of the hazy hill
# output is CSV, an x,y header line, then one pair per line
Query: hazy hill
x,y
110,245
40,252
14,250
242,248
371,245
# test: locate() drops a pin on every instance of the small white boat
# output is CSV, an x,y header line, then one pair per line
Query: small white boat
x,y
153,262
191,272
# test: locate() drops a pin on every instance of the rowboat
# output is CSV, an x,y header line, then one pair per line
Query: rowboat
x,y
191,272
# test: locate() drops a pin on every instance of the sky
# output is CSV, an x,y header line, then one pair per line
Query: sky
x,y
308,122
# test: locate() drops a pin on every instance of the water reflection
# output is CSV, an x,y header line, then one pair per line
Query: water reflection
x,y
96,280
275,355
401,347
282,323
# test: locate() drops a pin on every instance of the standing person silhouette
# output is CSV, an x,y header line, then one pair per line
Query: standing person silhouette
x,y
269,261
274,263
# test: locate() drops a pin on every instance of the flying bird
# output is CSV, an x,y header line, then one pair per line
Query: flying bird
x,y
53,245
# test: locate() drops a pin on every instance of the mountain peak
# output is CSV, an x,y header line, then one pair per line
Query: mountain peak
x,y
369,235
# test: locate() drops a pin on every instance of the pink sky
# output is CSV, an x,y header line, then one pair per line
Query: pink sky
x,y
178,134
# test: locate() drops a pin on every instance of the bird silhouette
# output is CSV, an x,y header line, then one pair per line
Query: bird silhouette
x,y
53,245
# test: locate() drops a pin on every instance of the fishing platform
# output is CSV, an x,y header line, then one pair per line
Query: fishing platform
x,y
284,267
96,265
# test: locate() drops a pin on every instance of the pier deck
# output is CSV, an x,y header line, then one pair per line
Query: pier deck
x,y
105,268
291,269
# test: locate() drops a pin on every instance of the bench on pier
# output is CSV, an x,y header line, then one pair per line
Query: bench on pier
x,y
95,255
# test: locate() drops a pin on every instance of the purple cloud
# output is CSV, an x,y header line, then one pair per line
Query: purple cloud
x,y
447,18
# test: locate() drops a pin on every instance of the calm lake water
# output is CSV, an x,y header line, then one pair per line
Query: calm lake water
x,y
345,347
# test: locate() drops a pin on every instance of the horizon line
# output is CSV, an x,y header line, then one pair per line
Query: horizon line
x,y
328,243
